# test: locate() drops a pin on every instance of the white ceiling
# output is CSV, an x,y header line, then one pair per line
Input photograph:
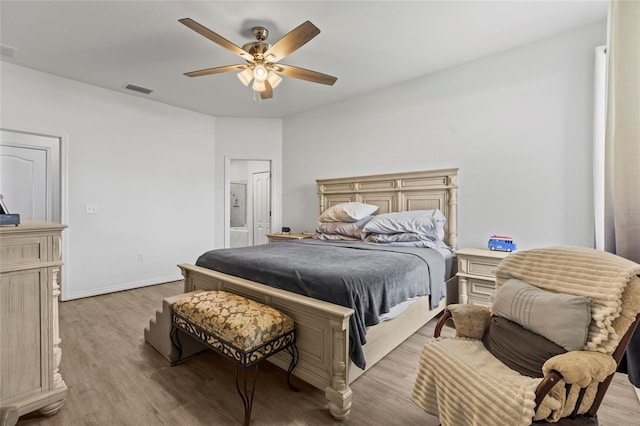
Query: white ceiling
x,y
368,45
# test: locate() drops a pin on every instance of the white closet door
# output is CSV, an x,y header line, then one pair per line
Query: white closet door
x,y
30,175
261,207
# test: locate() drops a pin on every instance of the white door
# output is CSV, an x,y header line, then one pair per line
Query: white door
x,y
30,175
261,207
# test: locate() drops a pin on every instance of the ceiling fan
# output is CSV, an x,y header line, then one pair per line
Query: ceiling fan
x,y
262,58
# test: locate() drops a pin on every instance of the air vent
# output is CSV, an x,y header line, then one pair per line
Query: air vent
x,y
7,51
137,88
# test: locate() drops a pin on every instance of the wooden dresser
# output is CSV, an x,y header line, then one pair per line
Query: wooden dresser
x,y
476,274
30,261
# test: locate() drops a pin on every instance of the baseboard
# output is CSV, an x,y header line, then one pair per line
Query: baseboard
x,y
122,287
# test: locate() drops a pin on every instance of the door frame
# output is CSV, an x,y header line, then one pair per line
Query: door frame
x,y
227,189
63,137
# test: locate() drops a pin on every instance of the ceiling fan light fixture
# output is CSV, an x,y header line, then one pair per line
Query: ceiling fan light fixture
x,y
273,79
258,85
260,73
245,76
262,58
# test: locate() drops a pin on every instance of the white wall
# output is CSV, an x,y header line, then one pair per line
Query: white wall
x,y
148,167
248,139
517,124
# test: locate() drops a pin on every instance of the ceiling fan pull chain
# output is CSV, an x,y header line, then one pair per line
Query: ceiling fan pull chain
x,y
257,99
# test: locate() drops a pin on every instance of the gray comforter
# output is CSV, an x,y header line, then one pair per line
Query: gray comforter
x,y
369,278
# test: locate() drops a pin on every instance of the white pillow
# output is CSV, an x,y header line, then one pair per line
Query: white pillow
x,y
348,212
426,222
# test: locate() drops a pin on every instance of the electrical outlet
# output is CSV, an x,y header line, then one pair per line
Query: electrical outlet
x,y
140,257
91,209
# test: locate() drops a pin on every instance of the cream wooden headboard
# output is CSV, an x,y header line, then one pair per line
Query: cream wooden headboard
x,y
397,192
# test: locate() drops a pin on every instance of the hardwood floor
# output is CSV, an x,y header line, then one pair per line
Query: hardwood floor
x,y
115,378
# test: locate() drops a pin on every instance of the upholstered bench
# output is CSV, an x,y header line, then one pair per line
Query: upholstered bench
x,y
241,329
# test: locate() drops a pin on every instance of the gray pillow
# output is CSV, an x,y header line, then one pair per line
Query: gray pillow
x,y
562,318
400,237
334,237
406,239
348,229
425,222
518,348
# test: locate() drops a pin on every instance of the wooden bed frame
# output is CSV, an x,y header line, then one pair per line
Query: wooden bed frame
x,y
322,328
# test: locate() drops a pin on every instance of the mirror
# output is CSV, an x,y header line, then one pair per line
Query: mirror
x,y
238,205
248,209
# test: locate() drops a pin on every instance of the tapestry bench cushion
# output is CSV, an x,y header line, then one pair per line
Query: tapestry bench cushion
x,y
243,322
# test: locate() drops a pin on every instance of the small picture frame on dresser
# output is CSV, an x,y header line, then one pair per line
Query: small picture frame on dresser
x,y
3,206
7,218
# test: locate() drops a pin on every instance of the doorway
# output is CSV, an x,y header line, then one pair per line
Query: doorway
x,y
247,202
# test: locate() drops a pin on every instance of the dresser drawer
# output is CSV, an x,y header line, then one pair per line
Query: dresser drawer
x,y
479,301
278,237
481,289
484,267
16,252
476,273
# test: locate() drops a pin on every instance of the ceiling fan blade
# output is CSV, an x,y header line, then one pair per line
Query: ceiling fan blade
x,y
216,38
267,93
292,41
304,74
216,70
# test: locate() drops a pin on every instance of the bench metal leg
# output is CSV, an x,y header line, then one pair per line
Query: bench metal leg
x,y
293,351
246,360
247,389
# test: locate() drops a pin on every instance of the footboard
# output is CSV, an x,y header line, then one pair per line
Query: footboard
x,y
322,331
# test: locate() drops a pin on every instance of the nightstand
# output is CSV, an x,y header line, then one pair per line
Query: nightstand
x,y
476,274
279,236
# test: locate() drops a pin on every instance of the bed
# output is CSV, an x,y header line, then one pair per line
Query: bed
x,y
323,328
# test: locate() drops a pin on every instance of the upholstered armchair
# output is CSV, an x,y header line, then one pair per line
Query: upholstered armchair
x,y
544,352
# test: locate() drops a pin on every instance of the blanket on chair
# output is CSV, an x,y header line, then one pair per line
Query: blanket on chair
x,y
460,382
582,272
470,386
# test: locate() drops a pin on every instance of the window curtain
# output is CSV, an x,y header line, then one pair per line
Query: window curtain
x,y
599,121
622,150
622,137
